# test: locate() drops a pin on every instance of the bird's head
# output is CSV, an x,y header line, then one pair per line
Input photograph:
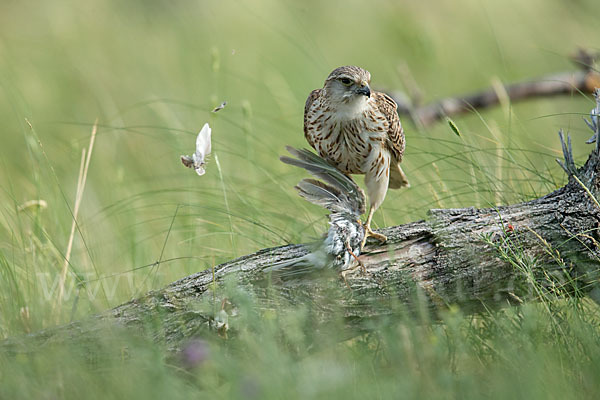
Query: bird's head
x,y
348,84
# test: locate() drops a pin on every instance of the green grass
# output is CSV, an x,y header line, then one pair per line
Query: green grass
x,y
152,71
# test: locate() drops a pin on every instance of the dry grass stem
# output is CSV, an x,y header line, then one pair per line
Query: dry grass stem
x,y
81,180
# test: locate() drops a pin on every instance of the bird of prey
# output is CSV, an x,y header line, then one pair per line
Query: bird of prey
x,y
346,203
358,131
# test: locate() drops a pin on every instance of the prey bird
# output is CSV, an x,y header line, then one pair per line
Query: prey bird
x,y
339,194
358,131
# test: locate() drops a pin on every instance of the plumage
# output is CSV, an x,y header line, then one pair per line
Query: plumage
x,y
203,148
345,201
358,131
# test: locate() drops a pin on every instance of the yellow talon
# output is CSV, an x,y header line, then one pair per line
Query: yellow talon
x,y
369,231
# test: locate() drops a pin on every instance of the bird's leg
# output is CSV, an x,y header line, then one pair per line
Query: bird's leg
x,y
343,274
369,232
360,263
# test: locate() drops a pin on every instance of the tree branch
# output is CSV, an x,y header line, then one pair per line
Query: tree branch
x,y
584,80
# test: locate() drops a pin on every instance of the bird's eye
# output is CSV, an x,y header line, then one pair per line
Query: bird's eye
x,y
346,81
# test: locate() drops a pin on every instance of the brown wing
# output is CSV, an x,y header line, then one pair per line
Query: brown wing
x,y
311,98
395,133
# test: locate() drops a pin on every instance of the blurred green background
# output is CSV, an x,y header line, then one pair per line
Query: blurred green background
x,y
152,71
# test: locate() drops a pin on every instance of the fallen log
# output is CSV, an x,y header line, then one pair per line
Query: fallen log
x,y
471,258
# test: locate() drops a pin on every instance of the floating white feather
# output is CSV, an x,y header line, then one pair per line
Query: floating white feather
x,y
198,159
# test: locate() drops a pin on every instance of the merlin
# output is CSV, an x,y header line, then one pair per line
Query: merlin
x,y
358,131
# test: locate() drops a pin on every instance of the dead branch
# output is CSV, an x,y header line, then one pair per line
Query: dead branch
x,y
584,80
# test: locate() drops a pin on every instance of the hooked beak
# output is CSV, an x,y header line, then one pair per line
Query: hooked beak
x,y
364,90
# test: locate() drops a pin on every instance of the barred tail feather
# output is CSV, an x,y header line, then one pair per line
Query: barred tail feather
x,y
339,192
325,196
319,168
